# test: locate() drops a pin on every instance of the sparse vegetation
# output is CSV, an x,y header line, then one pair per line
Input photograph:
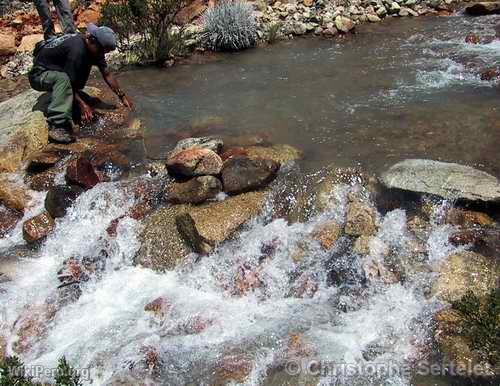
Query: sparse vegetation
x,y
273,33
481,323
147,27
229,26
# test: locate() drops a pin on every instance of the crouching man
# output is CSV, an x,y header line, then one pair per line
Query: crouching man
x,y
62,67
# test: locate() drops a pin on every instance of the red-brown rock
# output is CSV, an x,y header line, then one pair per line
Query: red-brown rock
x,y
233,152
37,228
243,174
81,172
472,39
7,44
490,74
159,307
194,162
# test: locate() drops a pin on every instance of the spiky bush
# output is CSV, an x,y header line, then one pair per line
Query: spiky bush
x,y
229,26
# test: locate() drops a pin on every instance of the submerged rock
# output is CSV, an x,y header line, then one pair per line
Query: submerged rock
x,y
484,8
194,162
206,227
327,234
281,154
447,180
37,228
468,218
60,198
23,130
241,174
8,220
81,172
163,247
466,271
45,159
194,191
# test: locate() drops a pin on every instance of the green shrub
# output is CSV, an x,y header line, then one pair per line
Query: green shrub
x,y
148,27
273,33
229,26
12,373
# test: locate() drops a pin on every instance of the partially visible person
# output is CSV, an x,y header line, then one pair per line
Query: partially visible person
x,y
62,67
63,12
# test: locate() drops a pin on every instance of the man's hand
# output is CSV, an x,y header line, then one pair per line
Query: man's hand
x,y
87,112
127,102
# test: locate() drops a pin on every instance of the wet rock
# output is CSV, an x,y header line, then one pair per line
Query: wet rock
x,y
377,270
373,18
465,271
472,39
447,180
7,44
299,347
8,220
206,227
375,349
241,174
484,8
468,218
37,228
233,153
234,368
194,162
81,172
246,280
490,74
13,195
45,159
394,7
344,24
23,130
362,245
468,237
281,154
210,143
109,166
327,234
194,191
41,182
162,246
361,219
159,307
245,140
60,198
32,326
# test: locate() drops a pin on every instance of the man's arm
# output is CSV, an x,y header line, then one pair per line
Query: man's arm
x,y
113,85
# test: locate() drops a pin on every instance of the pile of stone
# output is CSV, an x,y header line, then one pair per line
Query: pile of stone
x,y
330,18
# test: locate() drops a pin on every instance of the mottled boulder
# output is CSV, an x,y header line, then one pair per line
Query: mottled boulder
x,y
29,42
447,180
60,198
233,368
206,227
194,191
468,218
472,39
484,8
162,246
344,24
37,228
361,219
490,74
281,154
194,162
13,195
43,181
210,143
159,307
7,44
45,159
23,130
81,172
327,234
241,174
465,271
233,152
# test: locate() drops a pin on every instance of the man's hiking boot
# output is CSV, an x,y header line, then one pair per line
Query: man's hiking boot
x,y
61,134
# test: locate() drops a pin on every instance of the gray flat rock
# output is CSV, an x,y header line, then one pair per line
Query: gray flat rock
x,y
447,180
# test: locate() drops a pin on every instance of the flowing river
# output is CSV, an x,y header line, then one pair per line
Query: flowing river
x,y
405,88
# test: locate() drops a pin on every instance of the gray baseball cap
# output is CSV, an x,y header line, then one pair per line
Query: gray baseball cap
x,y
104,35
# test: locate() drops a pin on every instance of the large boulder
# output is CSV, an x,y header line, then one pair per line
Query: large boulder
x,y
29,42
37,228
447,180
23,130
466,271
242,174
361,219
13,195
81,172
194,162
194,191
344,24
162,246
60,198
206,227
7,44
484,8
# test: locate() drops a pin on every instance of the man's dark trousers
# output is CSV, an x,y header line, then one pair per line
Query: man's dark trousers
x,y
59,111
63,12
